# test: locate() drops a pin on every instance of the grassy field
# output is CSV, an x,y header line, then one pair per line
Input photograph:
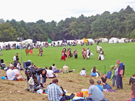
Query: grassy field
x,y
112,52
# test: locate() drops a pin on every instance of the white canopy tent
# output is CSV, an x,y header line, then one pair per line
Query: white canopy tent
x,y
103,39
114,40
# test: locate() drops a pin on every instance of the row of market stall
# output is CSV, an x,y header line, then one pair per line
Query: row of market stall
x,y
59,42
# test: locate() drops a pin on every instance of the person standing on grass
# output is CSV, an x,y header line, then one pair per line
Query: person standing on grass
x,y
101,54
63,55
114,77
75,54
120,75
88,53
17,58
84,53
14,58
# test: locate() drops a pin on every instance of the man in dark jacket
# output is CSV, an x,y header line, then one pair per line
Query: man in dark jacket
x,y
42,72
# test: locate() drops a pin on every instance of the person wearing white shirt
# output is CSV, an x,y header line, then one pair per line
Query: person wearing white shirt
x,y
54,69
83,72
51,73
14,58
11,74
17,73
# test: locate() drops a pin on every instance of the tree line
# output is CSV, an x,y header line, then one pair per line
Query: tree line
x,y
118,24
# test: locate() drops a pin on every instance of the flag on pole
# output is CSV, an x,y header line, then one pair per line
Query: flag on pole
x,y
49,40
75,41
64,40
85,40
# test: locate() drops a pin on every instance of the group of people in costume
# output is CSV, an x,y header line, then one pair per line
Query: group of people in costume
x,y
85,53
27,51
68,54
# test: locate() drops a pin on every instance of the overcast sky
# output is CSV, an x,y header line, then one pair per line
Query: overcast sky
x,y
48,10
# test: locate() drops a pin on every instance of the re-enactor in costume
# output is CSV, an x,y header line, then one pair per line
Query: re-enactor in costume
x,y
63,55
101,54
84,53
88,53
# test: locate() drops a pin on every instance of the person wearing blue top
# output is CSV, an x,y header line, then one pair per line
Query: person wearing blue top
x,y
94,71
133,92
120,75
99,86
94,91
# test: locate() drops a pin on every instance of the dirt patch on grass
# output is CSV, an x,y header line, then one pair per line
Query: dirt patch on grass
x,y
15,90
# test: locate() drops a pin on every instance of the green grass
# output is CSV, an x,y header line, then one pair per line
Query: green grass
x,y
112,52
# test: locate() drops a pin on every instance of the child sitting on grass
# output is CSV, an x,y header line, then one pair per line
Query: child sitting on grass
x,y
83,71
99,86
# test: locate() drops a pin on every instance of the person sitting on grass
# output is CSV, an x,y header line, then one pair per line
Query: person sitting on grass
x,y
95,92
19,66
54,69
99,85
83,71
11,74
104,81
66,70
18,75
132,79
55,93
51,73
94,72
